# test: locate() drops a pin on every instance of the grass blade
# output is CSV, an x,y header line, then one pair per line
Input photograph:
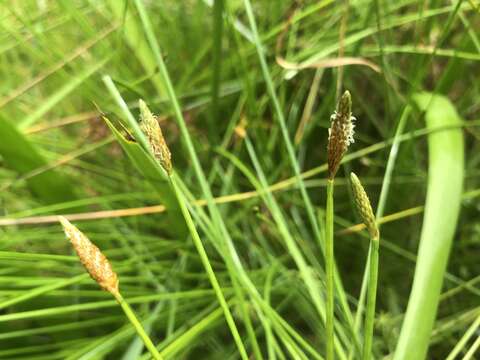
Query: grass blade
x,y
155,175
445,184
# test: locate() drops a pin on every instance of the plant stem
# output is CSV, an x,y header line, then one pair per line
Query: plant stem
x,y
371,299
216,63
138,326
208,267
380,210
329,265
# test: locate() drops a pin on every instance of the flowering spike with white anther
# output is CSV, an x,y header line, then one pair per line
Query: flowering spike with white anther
x,y
96,264
340,134
364,207
150,127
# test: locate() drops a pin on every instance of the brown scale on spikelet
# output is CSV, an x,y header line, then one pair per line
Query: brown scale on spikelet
x,y
340,134
150,127
363,206
96,264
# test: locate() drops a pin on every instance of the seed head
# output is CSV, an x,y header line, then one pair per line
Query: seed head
x,y
363,206
150,127
340,134
93,260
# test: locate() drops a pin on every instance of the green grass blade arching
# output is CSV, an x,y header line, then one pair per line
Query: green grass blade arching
x,y
445,184
154,174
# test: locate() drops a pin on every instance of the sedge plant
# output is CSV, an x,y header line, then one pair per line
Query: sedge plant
x,y
365,212
100,269
160,151
340,136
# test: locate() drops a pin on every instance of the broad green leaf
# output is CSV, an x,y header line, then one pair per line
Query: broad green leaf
x,y
22,156
445,185
154,173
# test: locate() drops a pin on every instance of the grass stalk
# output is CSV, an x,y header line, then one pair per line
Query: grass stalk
x,y
296,253
232,259
216,63
138,326
208,267
365,211
473,349
371,299
329,269
380,211
340,136
463,341
280,118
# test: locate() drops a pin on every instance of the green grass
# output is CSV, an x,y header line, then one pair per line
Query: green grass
x,y
245,276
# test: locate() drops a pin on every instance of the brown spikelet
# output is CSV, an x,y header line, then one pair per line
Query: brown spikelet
x,y
91,257
364,207
340,134
150,127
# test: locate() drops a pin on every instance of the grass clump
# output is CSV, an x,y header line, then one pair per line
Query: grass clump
x,y
161,152
224,240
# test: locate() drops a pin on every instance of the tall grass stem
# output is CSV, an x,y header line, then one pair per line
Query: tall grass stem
x,y
208,267
371,299
138,326
329,265
216,63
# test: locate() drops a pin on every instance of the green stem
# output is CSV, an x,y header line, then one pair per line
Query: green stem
x,y
329,265
216,63
138,326
280,117
208,267
371,299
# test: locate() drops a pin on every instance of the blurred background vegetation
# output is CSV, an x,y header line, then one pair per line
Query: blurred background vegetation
x,y
58,156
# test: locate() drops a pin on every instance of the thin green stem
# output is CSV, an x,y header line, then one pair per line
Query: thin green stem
x,y
216,63
460,345
371,299
329,265
233,261
392,157
138,326
473,349
280,117
208,267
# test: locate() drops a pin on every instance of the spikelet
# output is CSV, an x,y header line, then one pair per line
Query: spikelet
x,y
363,206
150,127
91,257
340,134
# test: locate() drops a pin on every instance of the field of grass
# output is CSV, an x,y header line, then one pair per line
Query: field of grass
x,y
227,255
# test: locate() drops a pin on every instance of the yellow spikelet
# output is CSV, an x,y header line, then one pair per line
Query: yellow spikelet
x,y
364,207
91,257
152,130
340,134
